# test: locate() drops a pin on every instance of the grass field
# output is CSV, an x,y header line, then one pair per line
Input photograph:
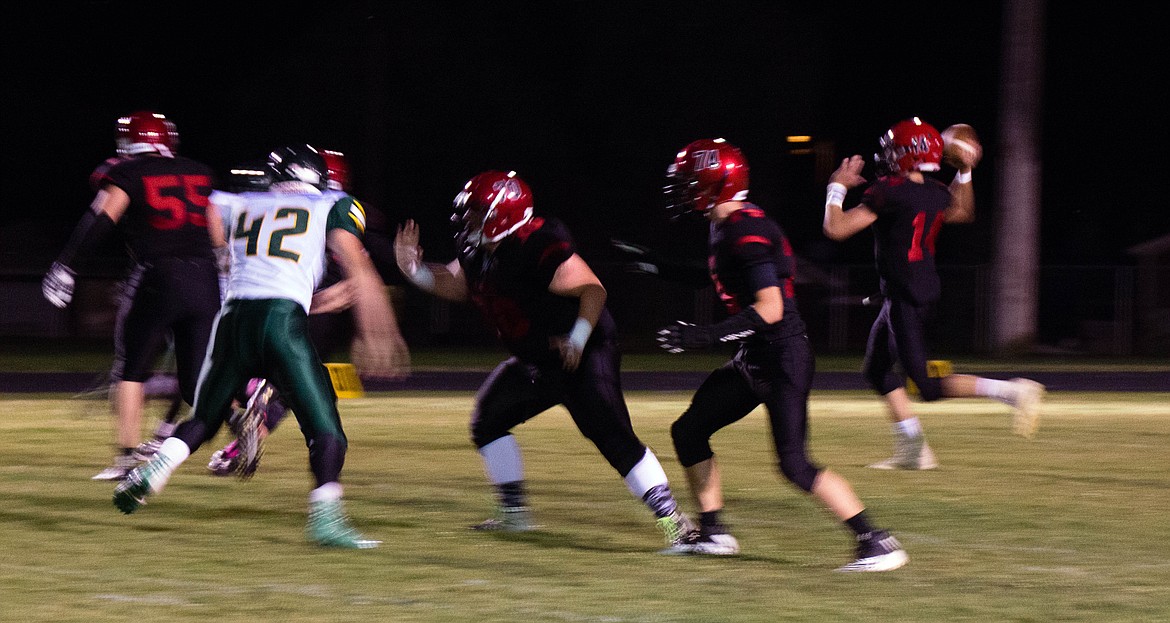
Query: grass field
x,y
1073,526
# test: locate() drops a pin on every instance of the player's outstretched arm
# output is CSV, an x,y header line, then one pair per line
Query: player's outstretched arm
x,y
642,259
106,209
444,281
379,350
767,309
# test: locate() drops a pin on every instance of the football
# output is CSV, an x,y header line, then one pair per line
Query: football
x,y
960,138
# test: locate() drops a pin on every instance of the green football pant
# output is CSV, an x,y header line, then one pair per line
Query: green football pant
x,y
269,338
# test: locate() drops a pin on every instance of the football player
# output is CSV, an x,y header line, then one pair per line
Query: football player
x,y
331,321
278,244
158,199
547,306
906,209
751,266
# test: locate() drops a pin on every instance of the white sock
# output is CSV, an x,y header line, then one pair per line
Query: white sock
x,y
646,475
173,451
328,492
909,427
502,461
1003,391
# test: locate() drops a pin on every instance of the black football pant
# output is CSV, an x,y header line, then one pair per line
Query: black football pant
x,y
516,391
898,338
176,297
777,375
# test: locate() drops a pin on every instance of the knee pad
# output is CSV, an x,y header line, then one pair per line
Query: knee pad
x,y
798,470
930,389
483,433
690,444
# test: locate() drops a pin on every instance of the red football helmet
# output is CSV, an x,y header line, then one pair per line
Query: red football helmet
x,y
492,205
338,169
145,131
911,145
705,173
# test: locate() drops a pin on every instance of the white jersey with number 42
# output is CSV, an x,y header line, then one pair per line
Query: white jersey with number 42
x,y
277,239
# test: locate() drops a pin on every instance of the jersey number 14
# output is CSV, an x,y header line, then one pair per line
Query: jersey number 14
x,y
924,237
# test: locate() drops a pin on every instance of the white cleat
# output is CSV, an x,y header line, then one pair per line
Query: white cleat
x,y
1029,396
909,453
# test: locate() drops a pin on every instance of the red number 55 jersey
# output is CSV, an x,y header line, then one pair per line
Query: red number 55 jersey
x,y
167,216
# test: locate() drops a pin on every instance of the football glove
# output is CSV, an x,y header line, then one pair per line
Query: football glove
x,y
684,336
57,286
643,260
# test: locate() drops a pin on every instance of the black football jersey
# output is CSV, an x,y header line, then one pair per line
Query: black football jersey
x,y
910,217
167,216
510,288
749,252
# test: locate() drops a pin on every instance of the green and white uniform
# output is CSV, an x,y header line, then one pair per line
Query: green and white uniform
x,y
277,241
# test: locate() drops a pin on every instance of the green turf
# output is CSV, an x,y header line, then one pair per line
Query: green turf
x,y
1072,526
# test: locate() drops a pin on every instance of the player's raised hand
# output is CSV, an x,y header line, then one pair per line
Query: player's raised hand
x,y
849,173
407,253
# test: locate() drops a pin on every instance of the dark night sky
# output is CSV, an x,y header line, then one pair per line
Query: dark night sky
x,y
588,101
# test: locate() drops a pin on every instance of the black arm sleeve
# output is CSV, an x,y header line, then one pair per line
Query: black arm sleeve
x,y
690,273
90,230
746,323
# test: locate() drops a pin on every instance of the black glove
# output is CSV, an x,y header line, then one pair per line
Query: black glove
x,y
684,336
639,258
647,261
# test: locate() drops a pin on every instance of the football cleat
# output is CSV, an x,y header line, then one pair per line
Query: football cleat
x,y
909,453
876,551
508,519
329,527
247,426
715,543
148,478
118,469
1029,396
680,532
224,461
145,450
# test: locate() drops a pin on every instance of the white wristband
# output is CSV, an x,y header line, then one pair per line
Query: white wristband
x,y
963,178
580,333
835,195
421,276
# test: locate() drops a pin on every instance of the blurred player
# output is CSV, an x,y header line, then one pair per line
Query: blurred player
x,y
906,209
548,307
159,200
331,321
751,265
278,245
